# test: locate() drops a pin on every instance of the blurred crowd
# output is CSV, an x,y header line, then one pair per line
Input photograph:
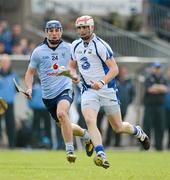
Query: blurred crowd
x,y
12,40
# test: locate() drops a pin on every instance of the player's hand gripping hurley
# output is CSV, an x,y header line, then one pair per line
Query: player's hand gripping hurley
x,y
19,88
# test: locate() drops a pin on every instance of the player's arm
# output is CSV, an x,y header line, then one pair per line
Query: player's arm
x,y
112,73
113,70
29,75
73,71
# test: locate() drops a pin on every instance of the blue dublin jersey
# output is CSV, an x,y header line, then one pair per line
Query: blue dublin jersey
x,y
46,61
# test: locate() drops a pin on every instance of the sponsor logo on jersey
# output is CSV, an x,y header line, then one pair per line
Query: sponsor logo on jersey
x,y
45,57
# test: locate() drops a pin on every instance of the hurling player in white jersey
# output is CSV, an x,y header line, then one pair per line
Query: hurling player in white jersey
x,y
94,60
57,91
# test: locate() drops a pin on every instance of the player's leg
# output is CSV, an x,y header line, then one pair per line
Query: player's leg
x,y
115,119
90,108
84,134
66,128
90,116
67,95
58,109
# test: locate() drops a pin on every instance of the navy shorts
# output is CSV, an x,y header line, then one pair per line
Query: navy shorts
x,y
51,104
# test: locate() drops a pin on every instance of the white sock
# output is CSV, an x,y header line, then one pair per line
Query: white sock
x,y
86,136
69,147
138,133
102,154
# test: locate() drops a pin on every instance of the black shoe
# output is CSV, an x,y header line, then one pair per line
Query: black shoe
x,y
89,148
71,157
144,139
101,161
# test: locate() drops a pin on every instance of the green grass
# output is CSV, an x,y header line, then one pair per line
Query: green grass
x,y
44,165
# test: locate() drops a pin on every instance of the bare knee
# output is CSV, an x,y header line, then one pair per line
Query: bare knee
x,y
62,116
118,128
89,121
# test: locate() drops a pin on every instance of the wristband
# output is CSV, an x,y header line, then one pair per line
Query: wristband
x,y
102,82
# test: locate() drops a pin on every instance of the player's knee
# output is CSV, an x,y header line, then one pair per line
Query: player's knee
x,y
118,129
61,116
88,120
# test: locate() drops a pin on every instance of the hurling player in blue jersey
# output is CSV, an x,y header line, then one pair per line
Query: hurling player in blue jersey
x,y
97,67
57,92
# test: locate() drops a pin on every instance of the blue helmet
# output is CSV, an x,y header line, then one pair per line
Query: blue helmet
x,y
53,24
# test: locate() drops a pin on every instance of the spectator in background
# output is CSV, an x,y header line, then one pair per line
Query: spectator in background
x,y
31,47
17,49
41,123
16,33
154,99
23,135
126,89
167,107
2,48
8,92
24,45
134,22
11,42
5,36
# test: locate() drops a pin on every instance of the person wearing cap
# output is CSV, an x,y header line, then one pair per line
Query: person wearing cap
x,y
57,91
154,99
95,61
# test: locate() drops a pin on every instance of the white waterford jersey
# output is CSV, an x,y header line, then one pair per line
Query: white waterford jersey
x,y
46,60
91,60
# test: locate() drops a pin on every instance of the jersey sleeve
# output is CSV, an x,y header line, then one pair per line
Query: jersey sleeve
x,y
34,60
105,51
73,57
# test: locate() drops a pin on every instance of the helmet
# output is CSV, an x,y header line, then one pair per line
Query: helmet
x,y
53,24
85,21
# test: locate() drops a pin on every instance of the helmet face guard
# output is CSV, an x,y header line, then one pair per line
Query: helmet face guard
x,y
85,21
53,24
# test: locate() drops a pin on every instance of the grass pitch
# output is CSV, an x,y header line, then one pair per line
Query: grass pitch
x,y
52,165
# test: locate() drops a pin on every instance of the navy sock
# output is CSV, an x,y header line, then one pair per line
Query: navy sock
x,y
99,149
135,131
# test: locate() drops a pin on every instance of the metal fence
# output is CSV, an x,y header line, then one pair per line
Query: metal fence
x,y
129,44
159,19
122,42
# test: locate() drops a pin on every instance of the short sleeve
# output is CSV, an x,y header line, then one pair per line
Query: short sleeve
x,y
34,59
105,51
73,57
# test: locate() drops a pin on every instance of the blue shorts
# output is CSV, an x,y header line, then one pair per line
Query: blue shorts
x,y
51,104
